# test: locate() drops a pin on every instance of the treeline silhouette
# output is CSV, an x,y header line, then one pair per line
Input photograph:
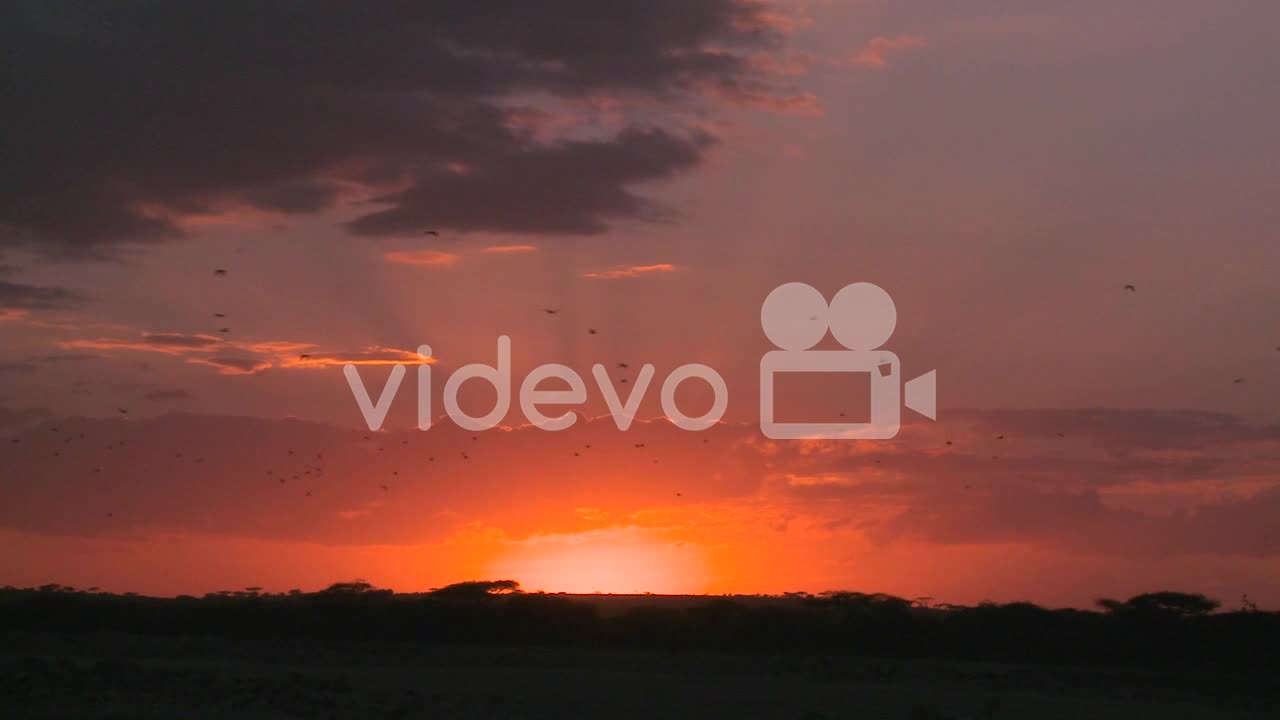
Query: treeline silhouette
x,y
1165,628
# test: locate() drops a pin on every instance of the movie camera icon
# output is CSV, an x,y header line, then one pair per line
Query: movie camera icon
x,y
861,317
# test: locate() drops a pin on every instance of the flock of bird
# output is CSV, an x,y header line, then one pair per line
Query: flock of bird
x,y
318,469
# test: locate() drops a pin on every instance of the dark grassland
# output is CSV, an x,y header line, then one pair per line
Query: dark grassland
x,y
485,650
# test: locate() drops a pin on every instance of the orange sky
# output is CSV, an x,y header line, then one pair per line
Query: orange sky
x,y
1002,172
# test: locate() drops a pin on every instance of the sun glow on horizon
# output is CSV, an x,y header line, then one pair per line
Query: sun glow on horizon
x,y
605,561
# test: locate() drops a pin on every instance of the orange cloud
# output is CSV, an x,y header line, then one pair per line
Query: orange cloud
x,y
11,314
509,249
232,357
630,272
376,355
422,258
874,55
233,365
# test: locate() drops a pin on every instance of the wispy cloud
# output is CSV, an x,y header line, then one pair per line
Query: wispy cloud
x,y
509,249
377,355
233,365
875,53
630,271
237,357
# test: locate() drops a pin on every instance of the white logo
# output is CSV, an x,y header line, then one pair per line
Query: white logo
x,y
861,317
530,397
794,316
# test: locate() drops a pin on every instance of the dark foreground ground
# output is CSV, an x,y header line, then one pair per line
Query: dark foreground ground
x,y
104,675
484,650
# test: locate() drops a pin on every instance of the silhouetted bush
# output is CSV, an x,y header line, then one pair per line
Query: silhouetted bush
x,y
1154,628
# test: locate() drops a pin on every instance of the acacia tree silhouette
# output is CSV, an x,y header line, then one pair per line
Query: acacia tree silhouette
x,y
1165,603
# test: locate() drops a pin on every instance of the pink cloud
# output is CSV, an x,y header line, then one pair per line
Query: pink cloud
x,y
875,53
422,258
630,272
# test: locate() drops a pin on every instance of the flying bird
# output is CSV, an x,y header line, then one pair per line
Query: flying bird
x,y
624,366
551,311
224,330
384,488
304,356
623,381
591,331
123,411
219,315
432,233
1237,381
1130,288
220,272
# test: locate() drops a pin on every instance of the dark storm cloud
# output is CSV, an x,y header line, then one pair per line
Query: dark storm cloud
x,y
537,185
123,117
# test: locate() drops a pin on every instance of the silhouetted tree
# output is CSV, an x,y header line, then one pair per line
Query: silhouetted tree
x,y
475,589
1167,603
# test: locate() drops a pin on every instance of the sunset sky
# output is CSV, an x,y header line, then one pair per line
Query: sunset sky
x,y
651,170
